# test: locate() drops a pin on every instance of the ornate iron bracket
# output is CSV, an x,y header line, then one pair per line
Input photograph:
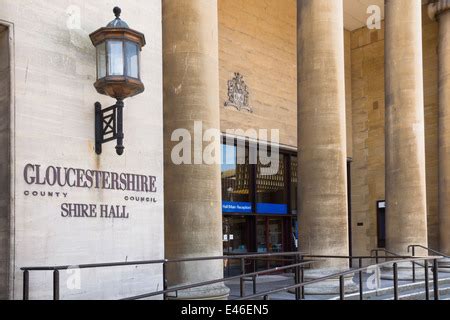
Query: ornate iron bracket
x,y
109,126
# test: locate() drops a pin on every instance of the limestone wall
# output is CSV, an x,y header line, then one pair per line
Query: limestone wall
x,y
258,40
54,111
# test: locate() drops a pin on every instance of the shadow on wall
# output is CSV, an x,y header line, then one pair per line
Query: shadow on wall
x,y
5,85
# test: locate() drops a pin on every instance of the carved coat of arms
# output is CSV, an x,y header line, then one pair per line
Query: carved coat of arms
x,y
238,94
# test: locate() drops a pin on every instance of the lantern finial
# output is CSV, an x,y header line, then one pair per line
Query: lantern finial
x,y
117,11
117,22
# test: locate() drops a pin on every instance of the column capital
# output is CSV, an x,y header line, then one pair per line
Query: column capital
x,y
437,7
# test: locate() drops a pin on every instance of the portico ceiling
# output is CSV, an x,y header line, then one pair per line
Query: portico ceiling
x,y
355,12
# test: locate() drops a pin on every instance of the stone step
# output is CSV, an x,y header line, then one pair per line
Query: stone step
x,y
444,292
405,290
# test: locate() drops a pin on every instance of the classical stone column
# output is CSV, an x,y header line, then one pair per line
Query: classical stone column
x,y
406,216
323,213
441,11
193,212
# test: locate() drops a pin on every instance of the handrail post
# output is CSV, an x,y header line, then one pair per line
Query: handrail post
x,y
361,285
56,296
165,283
396,295
254,277
342,287
414,264
297,279
427,282
302,280
377,260
26,285
242,277
436,280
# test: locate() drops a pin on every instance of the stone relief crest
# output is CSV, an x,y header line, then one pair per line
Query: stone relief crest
x,y
238,94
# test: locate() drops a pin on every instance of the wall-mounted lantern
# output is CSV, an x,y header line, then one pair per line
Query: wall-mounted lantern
x,y
118,76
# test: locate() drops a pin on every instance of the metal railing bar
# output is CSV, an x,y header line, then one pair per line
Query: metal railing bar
x,y
26,285
426,248
94,266
427,281
436,279
241,257
355,257
395,255
206,283
149,262
335,276
396,291
385,251
236,257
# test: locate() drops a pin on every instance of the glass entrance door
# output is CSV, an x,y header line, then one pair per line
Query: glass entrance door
x,y
269,232
236,240
236,235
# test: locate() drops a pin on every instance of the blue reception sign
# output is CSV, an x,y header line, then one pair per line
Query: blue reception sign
x,y
261,208
237,207
270,208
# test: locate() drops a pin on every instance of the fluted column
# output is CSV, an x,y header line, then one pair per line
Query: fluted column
x,y
406,217
441,11
323,203
193,211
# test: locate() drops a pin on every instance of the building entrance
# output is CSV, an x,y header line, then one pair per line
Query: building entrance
x,y
381,224
236,235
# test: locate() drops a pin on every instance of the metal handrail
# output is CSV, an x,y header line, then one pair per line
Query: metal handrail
x,y
341,276
149,262
376,251
298,266
56,269
207,283
414,264
412,249
353,257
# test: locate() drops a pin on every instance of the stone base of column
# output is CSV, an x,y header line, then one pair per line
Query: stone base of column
x,y
212,292
328,287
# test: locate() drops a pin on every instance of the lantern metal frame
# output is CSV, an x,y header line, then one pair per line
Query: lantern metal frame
x,y
109,121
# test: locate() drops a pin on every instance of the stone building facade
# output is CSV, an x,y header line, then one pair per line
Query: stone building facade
x,y
360,109
48,68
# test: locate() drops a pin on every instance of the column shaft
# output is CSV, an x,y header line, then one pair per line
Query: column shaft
x,y
193,217
323,213
406,218
444,130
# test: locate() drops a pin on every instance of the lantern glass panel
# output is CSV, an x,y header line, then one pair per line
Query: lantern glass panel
x,y
101,60
115,58
132,59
